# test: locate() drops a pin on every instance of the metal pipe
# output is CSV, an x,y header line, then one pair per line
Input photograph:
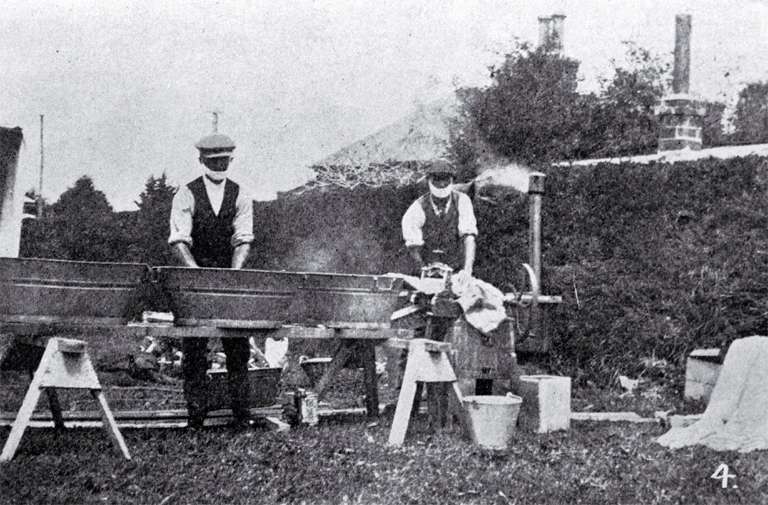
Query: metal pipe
x,y
535,190
682,65
40,186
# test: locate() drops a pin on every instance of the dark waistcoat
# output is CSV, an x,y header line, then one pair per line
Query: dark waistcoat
x,y
441,234
212,234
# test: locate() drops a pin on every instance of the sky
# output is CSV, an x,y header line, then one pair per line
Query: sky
x,y
127,88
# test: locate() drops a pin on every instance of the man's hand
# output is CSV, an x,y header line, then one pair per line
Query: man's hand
x,y
182,253
240,255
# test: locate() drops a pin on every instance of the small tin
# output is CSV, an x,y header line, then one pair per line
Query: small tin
x,y
305,403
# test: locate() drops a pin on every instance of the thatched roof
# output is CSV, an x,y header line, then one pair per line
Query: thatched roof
x,y
397,154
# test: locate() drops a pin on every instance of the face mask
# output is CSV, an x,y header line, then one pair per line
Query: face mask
x,y
440,192
215,176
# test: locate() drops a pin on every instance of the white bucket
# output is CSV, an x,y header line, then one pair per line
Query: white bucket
x,y
493,419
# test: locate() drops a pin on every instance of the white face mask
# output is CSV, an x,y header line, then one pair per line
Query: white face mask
x,y
440,192
216,176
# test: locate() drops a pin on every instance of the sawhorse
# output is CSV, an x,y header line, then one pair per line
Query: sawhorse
x,y
427,362
65,364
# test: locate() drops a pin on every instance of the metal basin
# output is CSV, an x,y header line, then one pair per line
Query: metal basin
x,y
349,301
227,298
70,292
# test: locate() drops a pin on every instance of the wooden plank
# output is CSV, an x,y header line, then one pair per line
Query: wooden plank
x,y
21,422
631,417
429,345
371,380
514,298
71,346
162,418
343,352
109,423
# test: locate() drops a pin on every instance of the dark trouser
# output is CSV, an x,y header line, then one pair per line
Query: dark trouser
x,y
194,366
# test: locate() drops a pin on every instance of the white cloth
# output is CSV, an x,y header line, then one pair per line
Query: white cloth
x,y
482,303
275,351
183,208
414,219
735,418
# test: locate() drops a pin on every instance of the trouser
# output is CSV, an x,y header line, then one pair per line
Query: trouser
x,y
194,366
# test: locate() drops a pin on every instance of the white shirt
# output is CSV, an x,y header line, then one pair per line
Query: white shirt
x,y
414,219
183,208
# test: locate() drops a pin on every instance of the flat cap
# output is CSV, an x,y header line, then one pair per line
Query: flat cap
x,y
216,145
441,167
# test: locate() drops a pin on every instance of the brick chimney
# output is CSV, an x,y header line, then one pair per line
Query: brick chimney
x,y
551,32
680,115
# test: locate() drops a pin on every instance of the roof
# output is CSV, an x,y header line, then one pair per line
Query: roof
x,y
419,137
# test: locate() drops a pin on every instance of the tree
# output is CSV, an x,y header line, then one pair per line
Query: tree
x,y
751,117
84,225
626,110
150,225
532,111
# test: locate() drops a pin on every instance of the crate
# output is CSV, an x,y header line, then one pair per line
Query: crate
x,y
227,298
348,300
546,403
264,383
71,292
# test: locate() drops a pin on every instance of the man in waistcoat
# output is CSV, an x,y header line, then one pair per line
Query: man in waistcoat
x,y
212,226
440,226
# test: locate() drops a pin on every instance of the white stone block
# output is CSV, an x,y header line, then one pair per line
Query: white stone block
x,y
546,403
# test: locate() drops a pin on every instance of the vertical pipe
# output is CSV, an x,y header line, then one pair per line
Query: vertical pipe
x,y
215,122
40,185
682,65
535,192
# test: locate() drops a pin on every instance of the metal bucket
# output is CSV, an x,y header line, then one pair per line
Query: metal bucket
x,y
71,292
493,420
229,298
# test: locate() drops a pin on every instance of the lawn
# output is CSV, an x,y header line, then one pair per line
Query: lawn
x,y
347,459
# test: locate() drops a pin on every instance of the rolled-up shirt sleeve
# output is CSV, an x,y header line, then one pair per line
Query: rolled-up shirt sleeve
x,y
467,220
182,210
413,223
243,220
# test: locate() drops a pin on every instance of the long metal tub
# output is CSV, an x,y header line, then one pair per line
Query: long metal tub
x,y
349,300
70,292
227,298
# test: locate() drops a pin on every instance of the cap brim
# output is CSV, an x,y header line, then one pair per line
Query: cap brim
x,y
225,154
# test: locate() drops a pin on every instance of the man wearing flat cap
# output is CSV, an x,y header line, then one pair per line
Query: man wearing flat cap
x,y
440,226
212,226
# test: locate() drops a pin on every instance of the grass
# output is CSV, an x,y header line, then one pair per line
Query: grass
x,y
349,461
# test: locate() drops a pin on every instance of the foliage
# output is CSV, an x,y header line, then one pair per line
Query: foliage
x,y
529,108
150,224
751,117
626,106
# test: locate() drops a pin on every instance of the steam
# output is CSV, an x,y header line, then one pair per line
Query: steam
x,y
511,176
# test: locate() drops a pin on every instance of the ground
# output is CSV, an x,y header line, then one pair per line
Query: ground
x,y
347,459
